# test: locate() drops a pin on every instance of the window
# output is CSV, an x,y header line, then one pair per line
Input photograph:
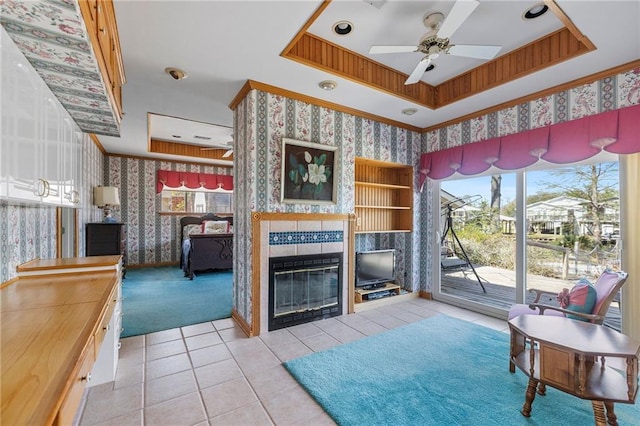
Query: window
x,y
200,202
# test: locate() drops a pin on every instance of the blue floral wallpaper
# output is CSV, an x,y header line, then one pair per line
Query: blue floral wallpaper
x,y
152,238
261,120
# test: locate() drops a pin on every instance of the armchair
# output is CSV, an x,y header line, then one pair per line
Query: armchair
x,y
607,286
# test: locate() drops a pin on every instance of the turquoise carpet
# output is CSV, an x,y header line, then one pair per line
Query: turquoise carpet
x,y
162,298
438,371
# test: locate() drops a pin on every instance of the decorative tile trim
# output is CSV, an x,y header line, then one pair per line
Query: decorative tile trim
x,y
307,237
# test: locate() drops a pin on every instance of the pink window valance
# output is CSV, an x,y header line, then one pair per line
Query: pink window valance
x,y
615,131
192,180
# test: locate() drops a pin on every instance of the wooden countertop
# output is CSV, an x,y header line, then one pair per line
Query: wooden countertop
x,y
75,263
47,321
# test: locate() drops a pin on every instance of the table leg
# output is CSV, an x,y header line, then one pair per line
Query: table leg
x,y
529,396
542,389
612,419
598,413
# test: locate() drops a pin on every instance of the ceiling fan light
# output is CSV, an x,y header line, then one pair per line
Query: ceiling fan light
x,y
327,85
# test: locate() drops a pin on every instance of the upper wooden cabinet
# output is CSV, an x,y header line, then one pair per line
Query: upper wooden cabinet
x,y
100,20
383,196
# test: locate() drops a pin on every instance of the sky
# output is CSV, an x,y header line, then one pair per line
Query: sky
x,y
482,185
537,181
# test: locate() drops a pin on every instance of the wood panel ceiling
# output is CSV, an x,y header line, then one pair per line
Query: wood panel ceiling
x,y
554,48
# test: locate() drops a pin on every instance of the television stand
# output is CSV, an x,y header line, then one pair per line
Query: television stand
x,y
362,295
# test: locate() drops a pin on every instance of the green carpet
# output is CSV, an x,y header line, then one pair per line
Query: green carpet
x,y
438,371
161,298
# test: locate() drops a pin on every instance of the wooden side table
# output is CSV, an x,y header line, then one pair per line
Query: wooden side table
x,y
575,357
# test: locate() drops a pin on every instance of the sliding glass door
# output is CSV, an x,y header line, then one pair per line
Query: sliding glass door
x,y
478,241
543,228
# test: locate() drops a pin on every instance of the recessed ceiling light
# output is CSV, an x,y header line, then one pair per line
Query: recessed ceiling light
x,y
176,136
175,73
409,111
342,27
535,11
327,85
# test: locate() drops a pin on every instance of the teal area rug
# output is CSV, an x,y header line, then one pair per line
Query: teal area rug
x,y
438,371
156,299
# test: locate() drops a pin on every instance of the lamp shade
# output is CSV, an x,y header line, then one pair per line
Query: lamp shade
x,y
106,196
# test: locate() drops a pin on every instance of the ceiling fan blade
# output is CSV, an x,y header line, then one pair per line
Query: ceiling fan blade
x,y
471,51
418,71
458,14
227,154
392,49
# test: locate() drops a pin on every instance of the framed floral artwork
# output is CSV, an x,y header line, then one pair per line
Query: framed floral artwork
x,y
308,171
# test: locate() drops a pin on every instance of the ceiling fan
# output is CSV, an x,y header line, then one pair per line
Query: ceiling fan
x,y
228,145
436,42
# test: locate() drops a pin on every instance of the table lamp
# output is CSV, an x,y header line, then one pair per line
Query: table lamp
x,y
106,197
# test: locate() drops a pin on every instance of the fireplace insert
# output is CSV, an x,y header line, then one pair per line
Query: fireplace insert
x,y
304,288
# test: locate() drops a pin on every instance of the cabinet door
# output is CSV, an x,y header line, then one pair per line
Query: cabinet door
x,y
21,113
70,161
105,37
52,145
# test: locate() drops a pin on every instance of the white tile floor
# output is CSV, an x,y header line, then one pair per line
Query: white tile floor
x,y
212,374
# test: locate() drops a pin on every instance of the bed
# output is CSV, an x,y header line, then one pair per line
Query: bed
x,y
207,243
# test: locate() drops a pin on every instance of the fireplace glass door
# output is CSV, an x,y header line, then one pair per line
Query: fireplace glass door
x,y
305,289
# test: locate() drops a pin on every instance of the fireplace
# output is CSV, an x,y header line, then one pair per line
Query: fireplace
x,y
304,288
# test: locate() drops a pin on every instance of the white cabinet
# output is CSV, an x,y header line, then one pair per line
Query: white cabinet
x,y
106,365
40,161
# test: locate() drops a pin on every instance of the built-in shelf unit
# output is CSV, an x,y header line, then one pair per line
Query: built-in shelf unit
x,y
383,196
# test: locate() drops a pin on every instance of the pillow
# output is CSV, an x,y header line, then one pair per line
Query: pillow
x,y
581,298
191,229
215,227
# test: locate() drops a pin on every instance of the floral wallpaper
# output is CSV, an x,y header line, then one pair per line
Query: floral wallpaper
x,y
152,238
261,120
614,92
52,36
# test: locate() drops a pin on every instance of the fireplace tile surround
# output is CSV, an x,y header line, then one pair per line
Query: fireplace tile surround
x,y
293,231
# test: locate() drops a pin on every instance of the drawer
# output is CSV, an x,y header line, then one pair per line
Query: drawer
x,y
103,328
81,376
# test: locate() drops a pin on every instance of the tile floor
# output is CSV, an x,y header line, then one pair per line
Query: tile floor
x,y
212,374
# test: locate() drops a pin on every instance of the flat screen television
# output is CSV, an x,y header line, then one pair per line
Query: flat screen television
x,y
375,268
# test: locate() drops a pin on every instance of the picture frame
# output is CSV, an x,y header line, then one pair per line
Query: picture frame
x,y
308,172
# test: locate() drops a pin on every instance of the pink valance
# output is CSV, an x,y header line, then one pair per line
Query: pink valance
x,y
615,131
192,180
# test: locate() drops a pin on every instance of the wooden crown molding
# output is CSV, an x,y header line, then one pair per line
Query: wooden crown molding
x,y
168,160
97,143
541,94
263,87
187,150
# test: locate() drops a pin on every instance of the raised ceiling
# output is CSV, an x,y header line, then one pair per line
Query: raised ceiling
x,y
290,46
